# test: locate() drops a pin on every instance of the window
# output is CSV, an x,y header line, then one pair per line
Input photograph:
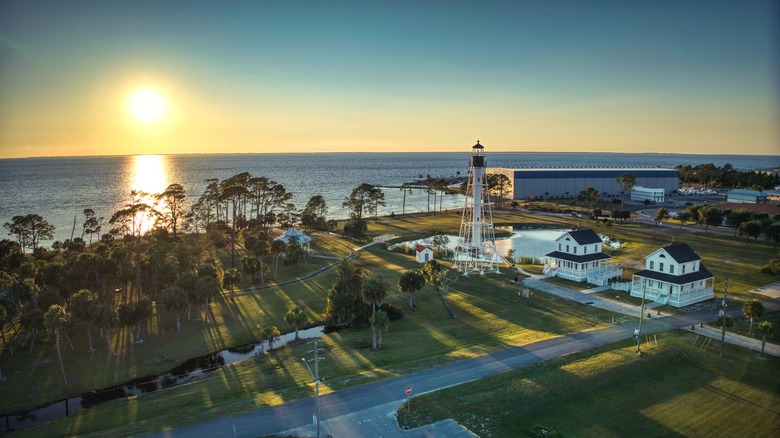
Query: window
x,y
559,247
567,248
671,269
683,269
660,267
575,250
652,264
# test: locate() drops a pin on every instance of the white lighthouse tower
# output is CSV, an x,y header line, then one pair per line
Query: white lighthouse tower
x,y
476,249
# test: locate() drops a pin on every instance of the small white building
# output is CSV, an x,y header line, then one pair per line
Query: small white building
x,y
424,254
579,258
674,275
639,193
742,196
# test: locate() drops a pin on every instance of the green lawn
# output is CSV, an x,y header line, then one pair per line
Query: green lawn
x,y
671,390
490,316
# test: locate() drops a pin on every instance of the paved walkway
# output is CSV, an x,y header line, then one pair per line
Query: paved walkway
x,y
731,338
770,290
584,297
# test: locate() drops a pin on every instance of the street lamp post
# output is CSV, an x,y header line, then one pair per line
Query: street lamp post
x,y
316,376
641,316
722,315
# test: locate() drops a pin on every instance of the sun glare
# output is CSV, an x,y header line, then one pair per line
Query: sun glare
x,y
147,106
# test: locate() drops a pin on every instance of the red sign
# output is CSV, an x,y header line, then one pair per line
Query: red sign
x,y
408,390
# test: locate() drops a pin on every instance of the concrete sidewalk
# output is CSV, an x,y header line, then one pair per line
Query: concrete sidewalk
x,y
731,338
584,297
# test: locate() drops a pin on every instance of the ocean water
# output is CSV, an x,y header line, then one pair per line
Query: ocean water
x,y
60,188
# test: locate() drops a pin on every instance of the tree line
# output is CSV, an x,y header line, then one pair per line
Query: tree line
x,y
154,250
710,175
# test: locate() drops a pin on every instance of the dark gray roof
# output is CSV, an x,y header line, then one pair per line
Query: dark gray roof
x,y
585,237
702,274
681,253
584,258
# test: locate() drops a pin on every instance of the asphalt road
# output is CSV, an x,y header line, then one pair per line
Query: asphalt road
x,y
387,395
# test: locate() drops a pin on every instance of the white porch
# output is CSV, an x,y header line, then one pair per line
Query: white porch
x,y
597,275
676,295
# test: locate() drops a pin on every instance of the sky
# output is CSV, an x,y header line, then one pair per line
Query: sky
x,y
372,76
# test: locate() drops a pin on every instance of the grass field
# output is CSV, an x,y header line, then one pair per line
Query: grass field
x,y
673,389
490,317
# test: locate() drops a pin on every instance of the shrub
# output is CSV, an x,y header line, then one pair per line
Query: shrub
x,y
394,313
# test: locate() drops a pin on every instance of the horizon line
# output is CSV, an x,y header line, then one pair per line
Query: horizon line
x,y
380,152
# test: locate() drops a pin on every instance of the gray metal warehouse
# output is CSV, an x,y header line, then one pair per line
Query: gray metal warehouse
x,y
551,183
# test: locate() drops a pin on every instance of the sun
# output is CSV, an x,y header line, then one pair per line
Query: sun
x,y
147,105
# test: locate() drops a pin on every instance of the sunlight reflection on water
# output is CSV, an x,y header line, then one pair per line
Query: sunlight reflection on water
x,y
150,173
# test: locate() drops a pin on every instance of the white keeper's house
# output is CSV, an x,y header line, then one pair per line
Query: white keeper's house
x,y
579,258
674,275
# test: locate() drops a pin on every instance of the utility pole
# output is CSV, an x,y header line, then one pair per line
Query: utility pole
x,y
316,376
722,315
638,332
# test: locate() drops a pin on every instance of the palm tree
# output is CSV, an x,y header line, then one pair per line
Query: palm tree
x,y
106,318
55,320
296,318
269,333
175,298
374,293
410,282
380,322
752,308
258,245
231,278
251,265
277,248
205,289
765,328
83,306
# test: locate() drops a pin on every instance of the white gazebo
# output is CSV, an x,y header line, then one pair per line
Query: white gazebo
x,y
298,235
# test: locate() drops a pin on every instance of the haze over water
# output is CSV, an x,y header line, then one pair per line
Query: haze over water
x,y
60,188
